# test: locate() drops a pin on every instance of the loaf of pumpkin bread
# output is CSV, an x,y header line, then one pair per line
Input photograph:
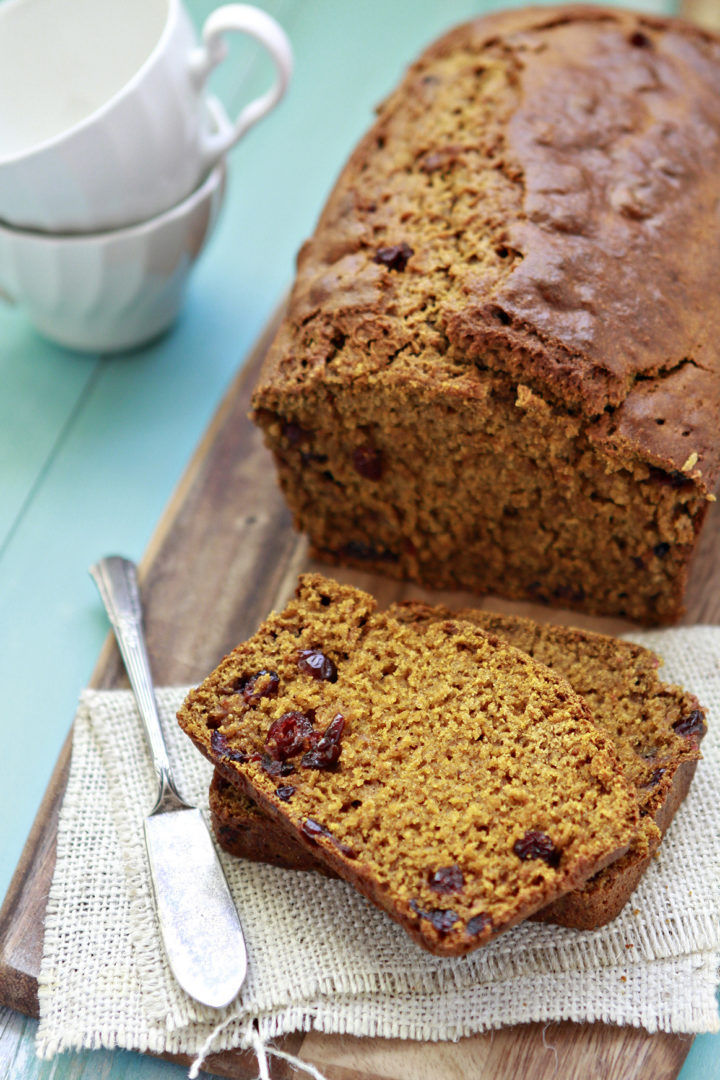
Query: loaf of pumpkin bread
x,y
656,728
457,783
500,364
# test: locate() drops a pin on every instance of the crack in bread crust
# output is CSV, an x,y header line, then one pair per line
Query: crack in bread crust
x,y
504,300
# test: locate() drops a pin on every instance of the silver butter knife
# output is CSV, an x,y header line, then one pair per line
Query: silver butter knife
x,y
197,916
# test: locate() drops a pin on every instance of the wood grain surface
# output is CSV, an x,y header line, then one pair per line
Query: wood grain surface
x,y
224,554
703,12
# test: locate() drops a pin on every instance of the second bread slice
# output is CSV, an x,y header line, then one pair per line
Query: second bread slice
x,y
454,781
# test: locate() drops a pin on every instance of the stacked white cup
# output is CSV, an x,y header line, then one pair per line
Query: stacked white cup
x,y
112,158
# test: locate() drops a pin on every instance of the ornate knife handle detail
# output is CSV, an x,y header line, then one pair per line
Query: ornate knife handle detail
x,y
126,627
116,579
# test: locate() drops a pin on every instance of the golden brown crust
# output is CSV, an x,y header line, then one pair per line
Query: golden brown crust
x,y
619,202
590,908
527,235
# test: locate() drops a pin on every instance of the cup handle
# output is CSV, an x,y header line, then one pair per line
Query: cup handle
x,y
258,24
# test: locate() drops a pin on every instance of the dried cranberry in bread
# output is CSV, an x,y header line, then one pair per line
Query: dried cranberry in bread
x,y
244,831
454,781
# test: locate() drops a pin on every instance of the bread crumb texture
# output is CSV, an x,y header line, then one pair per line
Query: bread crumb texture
x,y
455,781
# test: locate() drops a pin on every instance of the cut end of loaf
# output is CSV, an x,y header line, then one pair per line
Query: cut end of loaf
x,y
499,370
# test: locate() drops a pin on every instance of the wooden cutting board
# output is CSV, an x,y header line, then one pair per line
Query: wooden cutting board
x,y
224,554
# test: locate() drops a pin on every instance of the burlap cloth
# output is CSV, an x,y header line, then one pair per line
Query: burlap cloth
x,y
320,956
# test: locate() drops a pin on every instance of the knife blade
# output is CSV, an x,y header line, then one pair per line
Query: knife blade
x,y
197,917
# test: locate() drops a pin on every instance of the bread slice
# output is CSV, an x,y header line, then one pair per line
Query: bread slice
x,y
457,783
656,728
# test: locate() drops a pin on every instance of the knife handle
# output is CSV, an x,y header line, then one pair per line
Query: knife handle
x,y
116,579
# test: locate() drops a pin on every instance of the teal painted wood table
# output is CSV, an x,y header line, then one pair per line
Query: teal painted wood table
x,y
92,447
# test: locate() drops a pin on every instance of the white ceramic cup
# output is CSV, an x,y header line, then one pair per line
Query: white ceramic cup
x,y
103,114
109,291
